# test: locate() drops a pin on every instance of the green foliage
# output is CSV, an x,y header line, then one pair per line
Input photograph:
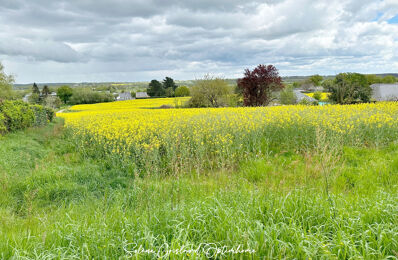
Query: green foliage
x,y
349,88
389,79
45,92
182,91
52,102
296,84
373,79
316,80
86,96
6,82
34,98
35,89
169,92
317,95
287,96
40,115
210,92
155,89
64,93
17,114
169,83
3,126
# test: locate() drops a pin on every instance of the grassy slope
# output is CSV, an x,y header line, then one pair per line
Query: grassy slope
x,y
57,204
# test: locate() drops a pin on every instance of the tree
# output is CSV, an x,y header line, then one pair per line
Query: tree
x,y
373,79
6,82
257,85
316,79
35,89
182,91
210,92
169,92
155,89
169,83
287,96
45,92
64,93
389,79
53,102
349,88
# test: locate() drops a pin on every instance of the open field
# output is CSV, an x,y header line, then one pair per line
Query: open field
x,y
286,182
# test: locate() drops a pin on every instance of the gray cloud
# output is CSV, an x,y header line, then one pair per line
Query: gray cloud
x,y
128,40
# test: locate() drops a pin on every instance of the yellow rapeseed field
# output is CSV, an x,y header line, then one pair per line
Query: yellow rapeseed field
x,y
135,128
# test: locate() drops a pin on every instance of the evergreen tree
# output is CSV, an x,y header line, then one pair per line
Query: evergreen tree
x,y
169,83
46,91
155,89
35,89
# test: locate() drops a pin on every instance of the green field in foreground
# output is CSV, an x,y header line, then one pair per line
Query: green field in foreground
x,y
57,204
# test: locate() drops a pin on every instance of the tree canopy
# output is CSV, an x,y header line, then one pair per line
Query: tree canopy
x,y
210,92
349,88
155,89
6,82
64,93
257,85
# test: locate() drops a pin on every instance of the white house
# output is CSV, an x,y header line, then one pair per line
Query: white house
x,y
385,92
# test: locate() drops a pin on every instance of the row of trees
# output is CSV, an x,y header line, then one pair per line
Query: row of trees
x,y
166,88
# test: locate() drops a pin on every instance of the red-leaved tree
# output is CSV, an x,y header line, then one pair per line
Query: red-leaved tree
x,y
257,85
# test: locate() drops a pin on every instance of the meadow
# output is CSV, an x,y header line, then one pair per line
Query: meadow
x,y
130,180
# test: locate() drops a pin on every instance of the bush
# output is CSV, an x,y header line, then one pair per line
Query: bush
x,y
182,91
17,114
40,115
3,127
85,96
52,102
317,95
210,92
287,96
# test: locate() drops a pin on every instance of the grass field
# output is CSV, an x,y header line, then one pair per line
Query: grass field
x,y
288,182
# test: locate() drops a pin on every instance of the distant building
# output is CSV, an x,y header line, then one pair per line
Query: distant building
x,y
300,96
385,92
124,96
141,95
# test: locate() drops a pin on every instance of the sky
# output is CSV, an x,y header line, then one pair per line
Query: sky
x,y
139,40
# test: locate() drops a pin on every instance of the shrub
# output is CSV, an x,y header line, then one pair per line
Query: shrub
x,y
50,113
3,127
317,95
18,115
53,102
85,96
287,96
182,91
210,92
40,115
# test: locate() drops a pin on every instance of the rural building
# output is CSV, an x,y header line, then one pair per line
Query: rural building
x,y
124,96
385,92
141,95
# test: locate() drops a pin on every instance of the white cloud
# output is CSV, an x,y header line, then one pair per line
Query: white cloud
x,y
130,40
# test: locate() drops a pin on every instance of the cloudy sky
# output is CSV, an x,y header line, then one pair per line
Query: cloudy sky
x,y
138,40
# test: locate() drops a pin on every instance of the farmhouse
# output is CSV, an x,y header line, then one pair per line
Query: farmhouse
x,y
141,95
385,92
124,96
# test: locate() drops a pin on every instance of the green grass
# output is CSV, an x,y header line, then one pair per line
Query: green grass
x,y
55,203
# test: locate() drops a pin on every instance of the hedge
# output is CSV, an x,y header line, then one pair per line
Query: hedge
x,y
16,115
